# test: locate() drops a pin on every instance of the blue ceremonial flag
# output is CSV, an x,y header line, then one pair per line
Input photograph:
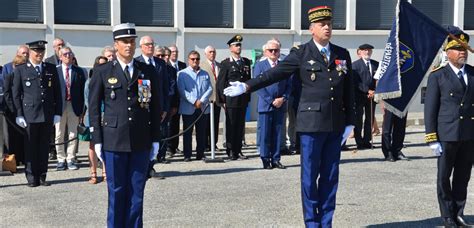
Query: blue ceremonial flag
x,y
414,42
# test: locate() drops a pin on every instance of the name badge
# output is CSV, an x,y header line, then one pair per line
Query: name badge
x,y
144,92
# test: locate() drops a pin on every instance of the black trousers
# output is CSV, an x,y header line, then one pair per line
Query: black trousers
x,y
457,157
13,139
393,133
37,141
363,108
235,122
174,129
217,114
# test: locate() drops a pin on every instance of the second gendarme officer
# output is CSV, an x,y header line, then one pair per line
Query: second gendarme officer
x,y
128,131
325,112
234,69
38,103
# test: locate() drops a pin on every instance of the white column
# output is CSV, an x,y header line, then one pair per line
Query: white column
x,y
459,13
49,35
179,24
351,14
296,20
115,14
238,14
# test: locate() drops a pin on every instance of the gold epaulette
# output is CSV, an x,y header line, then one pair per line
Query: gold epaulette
x,y
296,46
431,137
438,67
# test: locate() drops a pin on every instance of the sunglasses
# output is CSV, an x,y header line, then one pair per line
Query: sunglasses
x,y
161,55
273,50
148,44
194,59
68,54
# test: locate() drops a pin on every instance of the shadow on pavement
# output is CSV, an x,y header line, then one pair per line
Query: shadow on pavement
x,y
431,222
206,172
52,182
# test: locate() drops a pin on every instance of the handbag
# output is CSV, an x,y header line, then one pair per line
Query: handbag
x,y
9,163
83,132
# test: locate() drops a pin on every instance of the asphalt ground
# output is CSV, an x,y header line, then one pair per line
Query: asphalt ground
x,y
372,192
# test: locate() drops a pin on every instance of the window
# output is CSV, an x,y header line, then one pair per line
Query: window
x,y
440,11
468,12
375,14
147,12
96,12
21,11
267,14
338,12
209,13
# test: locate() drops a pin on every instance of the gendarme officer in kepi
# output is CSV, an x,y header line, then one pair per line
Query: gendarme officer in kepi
x,y
449,123
38,105
234,69
325,113
126,135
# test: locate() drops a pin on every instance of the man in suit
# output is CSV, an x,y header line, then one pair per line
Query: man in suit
x,y
271,108
174,122
109,53
55,59
13,139
72,80
325,113
449,122
147,46
211,66
38,104
364,70
234,69
194,86
126,135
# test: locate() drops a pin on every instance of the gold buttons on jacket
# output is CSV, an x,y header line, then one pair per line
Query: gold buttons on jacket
x,y
451,94
332,88
461,117
330,79
130,119
128,98
332,98
462,104
129,108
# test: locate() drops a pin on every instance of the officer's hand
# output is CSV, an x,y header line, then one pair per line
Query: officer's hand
x,y
56,119
98,151
235,89
347,132
437,149
154,150
20,121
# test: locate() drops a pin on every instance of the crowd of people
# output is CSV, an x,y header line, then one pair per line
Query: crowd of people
x,y
129,103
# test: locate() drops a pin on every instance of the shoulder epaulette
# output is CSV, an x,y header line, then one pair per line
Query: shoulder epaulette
x,y
296,46
441,65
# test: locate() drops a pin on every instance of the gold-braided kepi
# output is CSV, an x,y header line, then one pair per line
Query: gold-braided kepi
x,y
461,41
319,13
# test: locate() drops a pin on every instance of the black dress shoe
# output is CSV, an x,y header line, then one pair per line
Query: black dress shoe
x,y
460,221
401,156
52,156
449,222
44,183
390,158
187,159
32,184
278,165
242,156
267,165
345,148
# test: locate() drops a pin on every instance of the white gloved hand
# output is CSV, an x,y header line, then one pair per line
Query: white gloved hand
x,y
20,121
347,132
154,150
235,89
98,151
56,119
437,149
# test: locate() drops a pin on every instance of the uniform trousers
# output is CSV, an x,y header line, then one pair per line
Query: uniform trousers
x,y
37,141
456,159
66,129
393,134
235,122
126,178
320,156
201,128
270,132
363,125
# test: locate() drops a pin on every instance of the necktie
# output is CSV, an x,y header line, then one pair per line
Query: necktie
x,y
38,70
214,70
368,67
68,85
274,64
324,52
149,62
461,78
127,73
176,66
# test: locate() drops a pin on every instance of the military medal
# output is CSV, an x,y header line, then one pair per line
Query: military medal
x,y
28,84
313,77
112,95
144,92
112,80
49,83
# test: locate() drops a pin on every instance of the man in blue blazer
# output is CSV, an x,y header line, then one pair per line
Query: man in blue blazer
x,y
271,108
194,86
364,69
72,80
